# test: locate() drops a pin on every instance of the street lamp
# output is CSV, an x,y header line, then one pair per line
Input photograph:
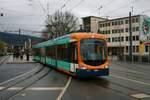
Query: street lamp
x,y
2,14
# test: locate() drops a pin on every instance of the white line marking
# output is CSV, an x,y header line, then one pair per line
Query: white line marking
x,y
140,82
35,88
64,90
140,95
18,76
45,88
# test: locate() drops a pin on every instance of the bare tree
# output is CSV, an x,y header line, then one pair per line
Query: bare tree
x,y
60,23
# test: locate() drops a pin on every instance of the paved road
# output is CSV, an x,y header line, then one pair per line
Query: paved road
x,y
8,71
127,81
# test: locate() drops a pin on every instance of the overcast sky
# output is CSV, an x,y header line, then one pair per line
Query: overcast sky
x,y
31,14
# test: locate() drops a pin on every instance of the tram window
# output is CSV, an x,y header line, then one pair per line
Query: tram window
x,y
50,52
73,52
36,52
42,51
62,53
67,52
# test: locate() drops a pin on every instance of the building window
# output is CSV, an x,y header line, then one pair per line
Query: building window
x,y
122,38
134,29
113,23
133,20
137,28
105,24
104,32
122,22
146,48
122,30
137,38
113,39
108,39
133,38
119,30
127,49
119,39
116,22
113,31
133,48
108,24
108,31
119,23
127,29
137,48
137,19
101,25
127,39
127,21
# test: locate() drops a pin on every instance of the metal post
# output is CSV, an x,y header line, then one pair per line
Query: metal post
x,y
130,36
19,31
149,53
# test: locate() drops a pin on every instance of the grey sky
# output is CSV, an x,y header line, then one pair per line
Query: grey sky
x,y
31,14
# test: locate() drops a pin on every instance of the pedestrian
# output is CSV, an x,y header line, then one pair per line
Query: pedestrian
x,y
27,55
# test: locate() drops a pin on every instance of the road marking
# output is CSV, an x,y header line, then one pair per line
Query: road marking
x,y
129,70
140,82
19,76
64,90
140,95
35,88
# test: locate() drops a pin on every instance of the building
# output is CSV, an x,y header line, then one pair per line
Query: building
x,y
91,23
117,31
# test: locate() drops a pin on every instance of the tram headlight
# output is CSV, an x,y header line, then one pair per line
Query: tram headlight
x,y
106,66
83,68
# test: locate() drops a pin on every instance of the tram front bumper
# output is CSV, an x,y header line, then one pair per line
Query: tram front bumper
x,y
86,73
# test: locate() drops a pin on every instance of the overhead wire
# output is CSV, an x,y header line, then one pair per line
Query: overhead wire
x,y
119,8
78,4
108,3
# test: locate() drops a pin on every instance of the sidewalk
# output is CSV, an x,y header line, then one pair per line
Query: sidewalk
x,y
18,60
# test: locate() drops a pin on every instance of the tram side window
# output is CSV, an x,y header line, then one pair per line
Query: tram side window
x,y
62,52
50,52
42,51
67,52
37,52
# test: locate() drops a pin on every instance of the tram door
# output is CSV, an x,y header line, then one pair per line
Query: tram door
x,y
73,56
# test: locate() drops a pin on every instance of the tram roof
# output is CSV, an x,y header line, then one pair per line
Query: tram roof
x,y
66,39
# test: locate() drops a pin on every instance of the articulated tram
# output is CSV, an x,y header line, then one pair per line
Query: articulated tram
x,y
77,54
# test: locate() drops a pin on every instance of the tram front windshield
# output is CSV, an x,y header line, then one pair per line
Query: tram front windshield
x,y
93,51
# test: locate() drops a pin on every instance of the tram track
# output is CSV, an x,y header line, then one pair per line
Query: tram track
x,y
7,89
3,60
116,87
20,78
132,67
130,75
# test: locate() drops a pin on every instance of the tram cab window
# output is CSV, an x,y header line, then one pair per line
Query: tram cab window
x,y
93,51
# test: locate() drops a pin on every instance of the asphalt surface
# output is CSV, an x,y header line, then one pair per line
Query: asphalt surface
x,y
9,71
127,81
48,88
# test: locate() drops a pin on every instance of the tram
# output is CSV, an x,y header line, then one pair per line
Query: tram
x,y
77,54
